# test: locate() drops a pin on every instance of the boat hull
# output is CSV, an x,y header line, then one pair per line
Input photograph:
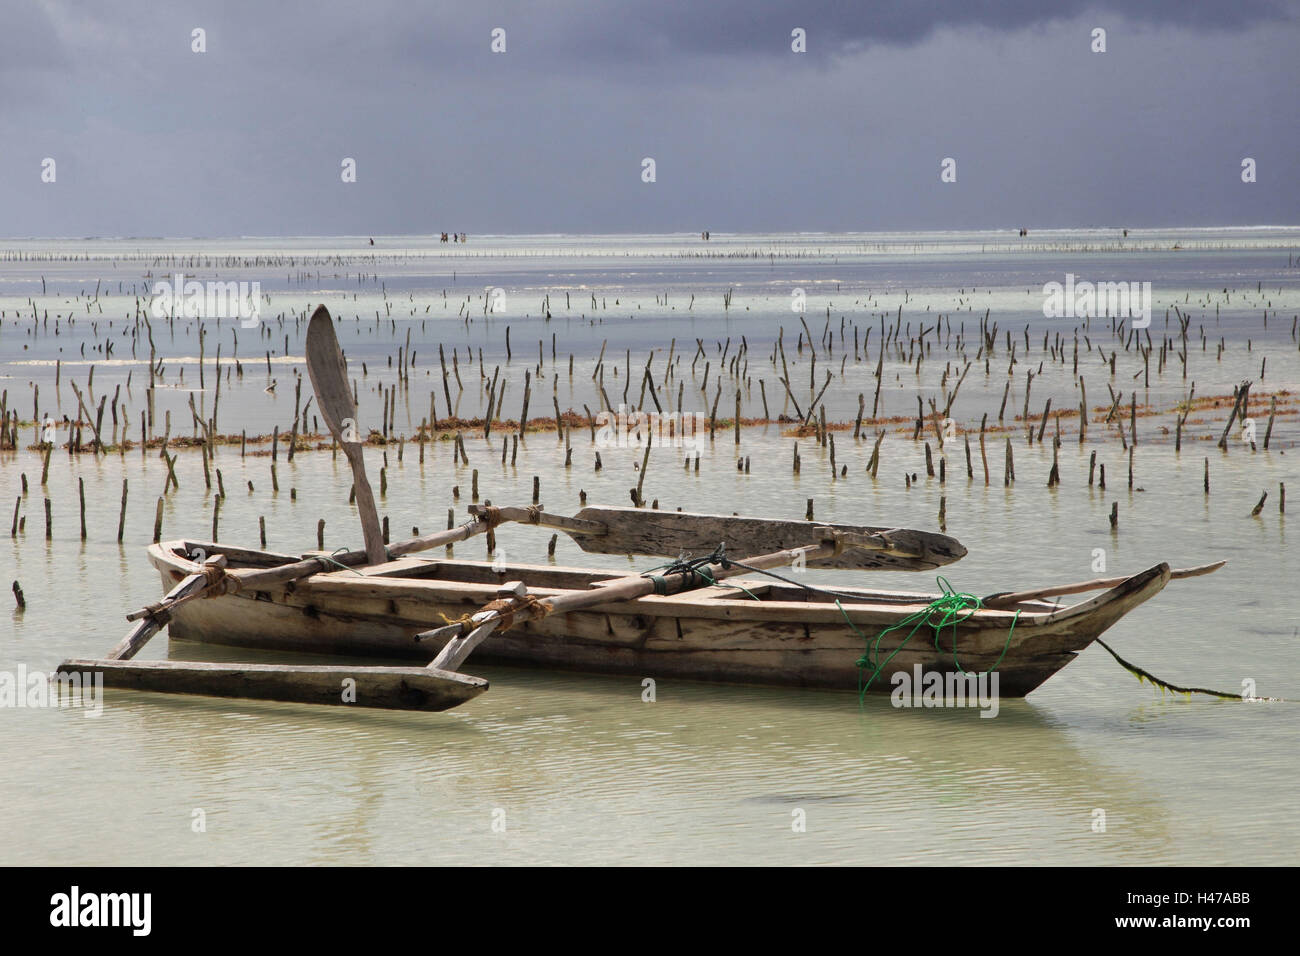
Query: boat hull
x,y
712,634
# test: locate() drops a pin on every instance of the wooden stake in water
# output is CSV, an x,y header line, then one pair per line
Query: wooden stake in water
x,y
645,466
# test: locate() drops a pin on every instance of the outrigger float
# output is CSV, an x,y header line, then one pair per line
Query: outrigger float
x,y
695,618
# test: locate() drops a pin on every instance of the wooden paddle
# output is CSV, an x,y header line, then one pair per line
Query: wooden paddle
x,y
642,531
329,377
600,530
1005,599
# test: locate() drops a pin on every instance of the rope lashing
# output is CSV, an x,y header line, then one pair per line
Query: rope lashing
x,y
694,571
948,610
159,611
212,574
505,609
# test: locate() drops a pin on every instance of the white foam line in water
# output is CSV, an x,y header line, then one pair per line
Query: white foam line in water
x,y
177,360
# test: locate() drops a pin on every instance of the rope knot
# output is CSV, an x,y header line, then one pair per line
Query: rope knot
x,y
507,608
212,575
158,611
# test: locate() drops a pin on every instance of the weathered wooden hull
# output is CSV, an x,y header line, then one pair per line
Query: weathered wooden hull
x,y
713,634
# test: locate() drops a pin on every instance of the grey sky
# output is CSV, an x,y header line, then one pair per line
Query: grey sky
x,y
247,138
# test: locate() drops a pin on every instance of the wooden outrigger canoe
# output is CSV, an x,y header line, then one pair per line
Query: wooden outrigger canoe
x,y
748,630
681,622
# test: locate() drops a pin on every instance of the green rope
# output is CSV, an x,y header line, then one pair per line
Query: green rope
x,y
738,587
697,568
329,558
948,610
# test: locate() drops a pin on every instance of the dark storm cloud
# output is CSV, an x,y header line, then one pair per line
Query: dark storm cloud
x,y
566,37
557,35
752,27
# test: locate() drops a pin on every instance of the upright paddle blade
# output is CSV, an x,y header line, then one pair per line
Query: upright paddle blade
x,y
329,378
639,531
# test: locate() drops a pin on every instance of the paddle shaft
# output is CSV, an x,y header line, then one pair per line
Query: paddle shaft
x,y
371,532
